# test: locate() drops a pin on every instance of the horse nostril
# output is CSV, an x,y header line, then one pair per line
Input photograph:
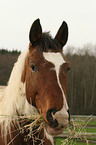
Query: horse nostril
x,y
69,114
49,117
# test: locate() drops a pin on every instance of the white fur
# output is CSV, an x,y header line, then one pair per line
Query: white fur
x,y
57,60
49,137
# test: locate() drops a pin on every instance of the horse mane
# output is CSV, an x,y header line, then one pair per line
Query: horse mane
x,y
12,98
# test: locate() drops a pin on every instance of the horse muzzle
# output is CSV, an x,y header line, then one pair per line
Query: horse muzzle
x,y
54,131
57,121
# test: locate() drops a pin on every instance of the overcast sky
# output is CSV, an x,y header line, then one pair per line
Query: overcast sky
x,y
16,17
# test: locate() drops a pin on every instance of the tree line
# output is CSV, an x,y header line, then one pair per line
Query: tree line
x,y
81,79
82,84
7,60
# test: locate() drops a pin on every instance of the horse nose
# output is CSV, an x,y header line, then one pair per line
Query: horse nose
x,y
49,116
69,114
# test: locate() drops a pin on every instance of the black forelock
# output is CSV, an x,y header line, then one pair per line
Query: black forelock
x,y
47,43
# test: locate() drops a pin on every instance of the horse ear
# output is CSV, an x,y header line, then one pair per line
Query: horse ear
x,y
35,32
62,34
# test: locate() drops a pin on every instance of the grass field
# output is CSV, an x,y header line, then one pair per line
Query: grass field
x,y
90,130
59,142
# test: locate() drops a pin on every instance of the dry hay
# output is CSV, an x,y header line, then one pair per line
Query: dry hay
x,y
30,125
75,130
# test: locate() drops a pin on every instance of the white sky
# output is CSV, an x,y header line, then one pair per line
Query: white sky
x,y
16,17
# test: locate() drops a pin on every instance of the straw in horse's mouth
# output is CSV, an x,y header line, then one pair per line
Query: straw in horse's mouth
x,y
38,124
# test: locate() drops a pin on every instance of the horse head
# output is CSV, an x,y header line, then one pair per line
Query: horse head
x,y
45,76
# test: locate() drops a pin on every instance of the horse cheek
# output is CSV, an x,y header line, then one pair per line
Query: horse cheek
x,y
38,104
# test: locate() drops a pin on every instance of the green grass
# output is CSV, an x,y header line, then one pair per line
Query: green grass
x,y
91,123
88,129
59,142
93,130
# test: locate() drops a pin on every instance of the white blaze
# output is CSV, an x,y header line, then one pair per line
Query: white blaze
x,y
57,60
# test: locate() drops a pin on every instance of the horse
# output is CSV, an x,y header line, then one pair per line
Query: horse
x,y
37,84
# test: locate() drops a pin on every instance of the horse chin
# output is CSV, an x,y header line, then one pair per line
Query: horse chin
x,y
54,131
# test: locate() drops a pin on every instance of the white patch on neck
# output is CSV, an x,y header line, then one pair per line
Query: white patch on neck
x,y
49,136
57,60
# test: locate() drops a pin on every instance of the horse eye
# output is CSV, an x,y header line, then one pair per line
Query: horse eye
x,y
68,69
33,67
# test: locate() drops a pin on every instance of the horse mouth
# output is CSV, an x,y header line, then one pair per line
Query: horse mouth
x,y
55,131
